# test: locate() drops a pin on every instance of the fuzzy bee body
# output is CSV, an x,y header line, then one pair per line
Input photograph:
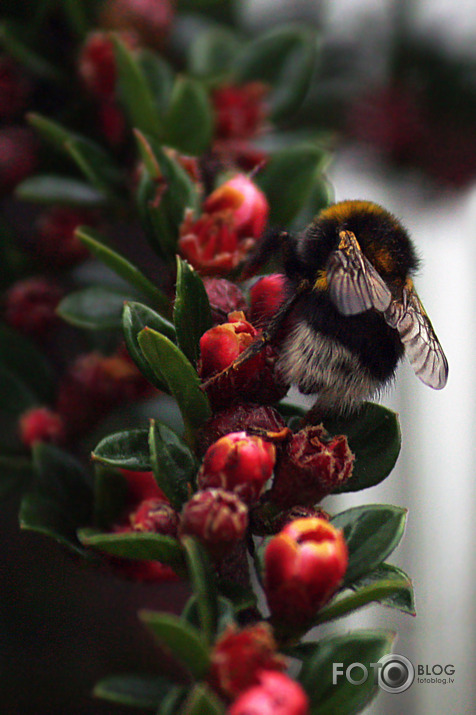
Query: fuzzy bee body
x,y
345,336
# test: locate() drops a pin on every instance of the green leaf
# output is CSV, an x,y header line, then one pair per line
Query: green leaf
x,y
242,597
111,495
343,697
203,701
321,196
127,450
181,639
371,533
124,268
165,191
55,189
283,58
225,613
28,58
140,545
61,497
136,317
289,178
15,474
171,704
212,52
169,363
93,308
94,162
192,313
374,437
18,354
203,585
139,691
189,121
172,462
135,92
160,78
402,599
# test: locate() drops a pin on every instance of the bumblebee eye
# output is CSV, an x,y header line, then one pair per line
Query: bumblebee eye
x,y
354,284
422,347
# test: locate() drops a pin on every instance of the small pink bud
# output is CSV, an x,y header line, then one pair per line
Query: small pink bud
x,y
239,463
217,518
275,694
157,516
245,201
266,295
254,419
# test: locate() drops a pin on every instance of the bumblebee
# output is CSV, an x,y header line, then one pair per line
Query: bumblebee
x,y
351,311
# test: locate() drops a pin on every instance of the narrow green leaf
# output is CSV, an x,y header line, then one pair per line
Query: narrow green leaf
x,y
55,189
203,701
181,639
124,268
343,697
374,592
288,180
213,52
135,92
172,703
374,437
226,613
17,354
160,78
136,317
131,690
28,58
94,308
203,585
189,121
141,545
92,166
172,462
61,497
127,450
192,313
170,364
371,533
403,599
283,58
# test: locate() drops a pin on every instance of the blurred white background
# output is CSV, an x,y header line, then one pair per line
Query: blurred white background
x,y
435,474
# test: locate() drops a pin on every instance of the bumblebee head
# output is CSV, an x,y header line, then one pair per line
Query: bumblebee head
x,y
381,237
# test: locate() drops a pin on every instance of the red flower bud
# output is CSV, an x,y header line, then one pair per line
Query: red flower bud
x,y
30,306
157,516
254,419
40,424
94,385
18,156
276,694
304,565
211,243
225,297
217,518
246,202
56,240
240,111
240,655
254,380
239,463
112,121
266,295
312,466
150,20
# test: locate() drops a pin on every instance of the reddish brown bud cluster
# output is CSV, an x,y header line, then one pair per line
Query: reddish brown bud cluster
x,y
56,241
262,420
311,466
225,297
30,306
217,518
239,656
18,156
304,565
239,463
156,516
235,214
149,20
41,424
275,694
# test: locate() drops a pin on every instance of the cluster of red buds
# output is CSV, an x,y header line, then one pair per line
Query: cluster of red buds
x,y
56,242
234,216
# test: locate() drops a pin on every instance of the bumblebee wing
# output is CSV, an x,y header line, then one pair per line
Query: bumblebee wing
x,y
354,284
422,347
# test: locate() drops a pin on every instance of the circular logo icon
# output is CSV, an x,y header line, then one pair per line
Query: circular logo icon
x,y
396,674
